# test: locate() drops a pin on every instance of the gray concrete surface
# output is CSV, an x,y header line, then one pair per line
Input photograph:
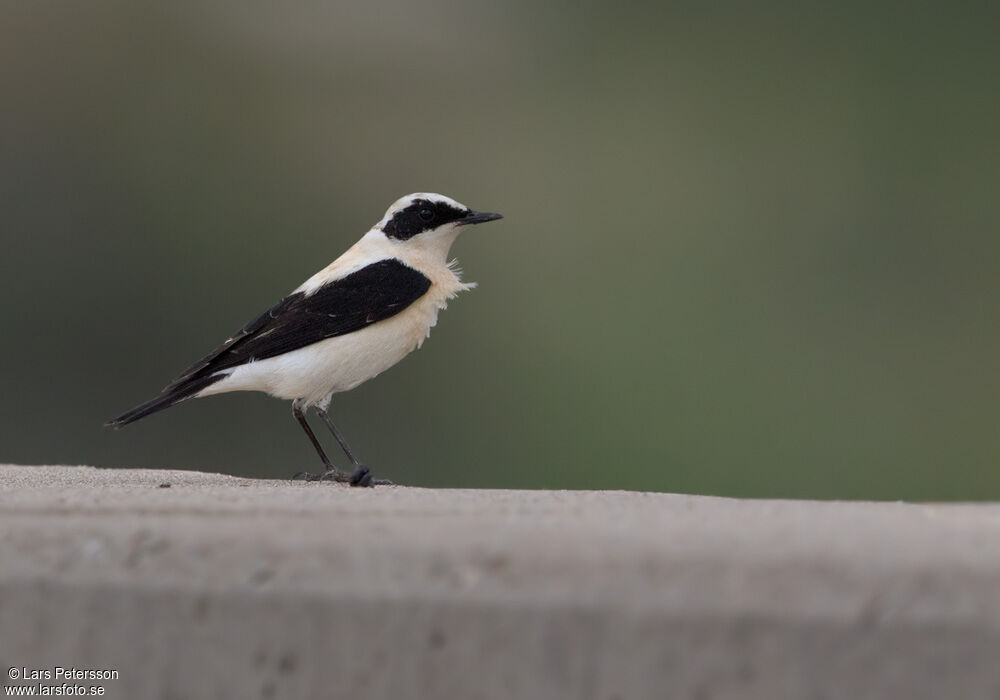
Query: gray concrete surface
x,y
219,587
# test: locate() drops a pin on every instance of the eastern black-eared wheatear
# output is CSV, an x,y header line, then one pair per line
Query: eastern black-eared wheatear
x,y
355,318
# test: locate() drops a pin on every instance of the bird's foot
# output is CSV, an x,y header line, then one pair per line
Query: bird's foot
x,y
362,476
328,475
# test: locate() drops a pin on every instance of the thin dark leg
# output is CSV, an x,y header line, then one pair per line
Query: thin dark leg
x,y
331,471
362,475
340,438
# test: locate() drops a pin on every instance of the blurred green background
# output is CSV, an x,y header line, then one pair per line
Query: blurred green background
x,y
749,249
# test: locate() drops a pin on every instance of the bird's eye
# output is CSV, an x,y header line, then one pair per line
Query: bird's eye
x,y
427,214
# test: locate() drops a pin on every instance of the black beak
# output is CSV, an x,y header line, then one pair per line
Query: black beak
x,y
478,217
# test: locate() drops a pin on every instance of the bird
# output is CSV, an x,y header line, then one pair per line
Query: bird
x,y
348,323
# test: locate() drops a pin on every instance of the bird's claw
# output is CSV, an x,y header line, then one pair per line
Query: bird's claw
x,y
362,476
328,475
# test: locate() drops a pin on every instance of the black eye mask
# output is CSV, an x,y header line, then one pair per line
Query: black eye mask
x,y
422,215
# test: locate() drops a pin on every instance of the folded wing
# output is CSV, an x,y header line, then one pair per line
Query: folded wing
x,y
369,295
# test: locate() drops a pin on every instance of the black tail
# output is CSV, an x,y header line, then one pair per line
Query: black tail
x,y
171,395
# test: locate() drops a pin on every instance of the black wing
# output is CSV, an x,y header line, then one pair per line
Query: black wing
x,y
372,294
369,295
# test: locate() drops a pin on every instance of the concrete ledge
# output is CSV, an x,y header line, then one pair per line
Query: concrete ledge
x,y
236,588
